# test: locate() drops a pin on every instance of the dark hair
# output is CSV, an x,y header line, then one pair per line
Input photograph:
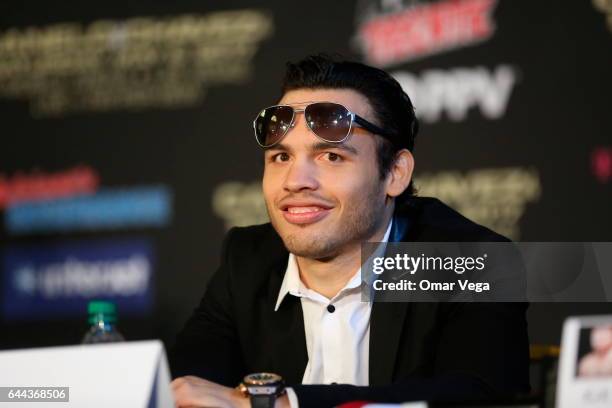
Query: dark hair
x,y
392,108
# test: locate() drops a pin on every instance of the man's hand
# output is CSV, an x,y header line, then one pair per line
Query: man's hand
x,y
193,391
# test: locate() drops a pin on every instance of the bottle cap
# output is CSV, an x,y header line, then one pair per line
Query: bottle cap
x,y
101,310
101,306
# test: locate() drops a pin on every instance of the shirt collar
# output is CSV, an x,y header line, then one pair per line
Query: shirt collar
x,y
292,284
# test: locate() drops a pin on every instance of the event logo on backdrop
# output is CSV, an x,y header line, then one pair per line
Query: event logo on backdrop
x,y
390,32
137,63
71,200
496,198
57,280
40,185
136,206
239,203
455,91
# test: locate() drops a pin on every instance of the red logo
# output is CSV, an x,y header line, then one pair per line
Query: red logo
x,y
425,29
601,164
46,186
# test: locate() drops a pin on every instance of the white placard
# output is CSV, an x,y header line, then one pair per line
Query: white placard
x,y
584,378
130,374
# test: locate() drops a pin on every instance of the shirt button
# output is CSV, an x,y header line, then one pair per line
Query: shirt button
x,y
331,308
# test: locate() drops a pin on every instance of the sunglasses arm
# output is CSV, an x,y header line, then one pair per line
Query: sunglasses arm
x,y
370,127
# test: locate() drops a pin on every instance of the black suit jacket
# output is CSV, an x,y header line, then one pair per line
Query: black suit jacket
x,y
430,351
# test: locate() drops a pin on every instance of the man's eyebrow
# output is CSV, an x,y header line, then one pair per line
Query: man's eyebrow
x,y
327,145
315,147
279,146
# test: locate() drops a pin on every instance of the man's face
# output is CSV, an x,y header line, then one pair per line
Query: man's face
x,y
323,197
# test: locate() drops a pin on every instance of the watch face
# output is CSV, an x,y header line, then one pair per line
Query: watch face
x,y
262,379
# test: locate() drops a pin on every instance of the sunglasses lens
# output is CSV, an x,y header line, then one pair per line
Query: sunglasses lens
x,y
329,121
272,124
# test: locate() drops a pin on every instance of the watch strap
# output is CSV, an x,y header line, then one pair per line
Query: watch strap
x,y
263,401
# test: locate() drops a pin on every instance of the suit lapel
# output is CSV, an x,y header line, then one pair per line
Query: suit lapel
x,y
290,354
386,322
288,338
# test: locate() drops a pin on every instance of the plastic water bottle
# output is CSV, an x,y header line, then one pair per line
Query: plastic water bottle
x,y
102,320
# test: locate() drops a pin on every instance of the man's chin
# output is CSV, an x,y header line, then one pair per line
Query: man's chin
x,y
310,247
307,240
312,253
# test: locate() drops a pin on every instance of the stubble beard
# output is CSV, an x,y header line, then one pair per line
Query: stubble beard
x,y
360,221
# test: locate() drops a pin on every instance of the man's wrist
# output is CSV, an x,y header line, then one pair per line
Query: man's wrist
x,y
240,400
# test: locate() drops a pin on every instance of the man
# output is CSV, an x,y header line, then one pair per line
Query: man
x,y
286,298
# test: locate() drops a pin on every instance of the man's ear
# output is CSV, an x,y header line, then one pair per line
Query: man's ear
x,y
400,174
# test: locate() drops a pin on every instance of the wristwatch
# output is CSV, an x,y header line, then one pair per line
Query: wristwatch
x,y
262,389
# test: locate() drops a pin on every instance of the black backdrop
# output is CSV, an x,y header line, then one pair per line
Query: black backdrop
x,y
535,165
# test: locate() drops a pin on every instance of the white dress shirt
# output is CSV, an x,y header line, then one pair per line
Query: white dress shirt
x,y
337,330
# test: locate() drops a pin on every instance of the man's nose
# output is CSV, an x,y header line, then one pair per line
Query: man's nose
x,y
301,175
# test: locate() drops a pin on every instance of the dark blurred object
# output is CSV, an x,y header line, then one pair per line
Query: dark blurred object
x,y
544,365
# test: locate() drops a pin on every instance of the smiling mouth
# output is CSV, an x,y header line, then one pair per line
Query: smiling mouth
x,y
303,210
304,214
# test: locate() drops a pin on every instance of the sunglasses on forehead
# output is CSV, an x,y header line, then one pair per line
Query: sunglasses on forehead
x,y
330,122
